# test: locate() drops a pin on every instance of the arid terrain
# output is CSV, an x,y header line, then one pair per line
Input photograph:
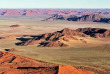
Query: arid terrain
x,y
35,12
54,41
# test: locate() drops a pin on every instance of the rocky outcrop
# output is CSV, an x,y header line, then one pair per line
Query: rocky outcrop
x,y
70,32
90,17
60,38
72,18
87,18
12,64
95,32
55,17
62,17
65,32
54,39
105,20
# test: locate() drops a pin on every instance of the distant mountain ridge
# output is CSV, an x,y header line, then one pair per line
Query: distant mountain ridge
x,y
87,18
34,12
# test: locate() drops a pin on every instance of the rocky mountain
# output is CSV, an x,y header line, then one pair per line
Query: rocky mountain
x,y
95,32
83,18
54,39
105,20
91,17
63,37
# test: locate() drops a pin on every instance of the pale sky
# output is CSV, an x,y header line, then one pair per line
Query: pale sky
x,y
54,3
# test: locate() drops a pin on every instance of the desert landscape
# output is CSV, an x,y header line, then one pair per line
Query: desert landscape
x,y
54,41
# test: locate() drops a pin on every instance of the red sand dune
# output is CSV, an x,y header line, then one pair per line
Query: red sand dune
x,y
16,64
66,69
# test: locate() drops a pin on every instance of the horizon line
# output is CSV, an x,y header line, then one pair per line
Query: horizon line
x,y
54,8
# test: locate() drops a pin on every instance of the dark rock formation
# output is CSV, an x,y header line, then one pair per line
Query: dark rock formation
x,y
105,20
72,18
87,18
91,17
56,17
57,39
95,32
54,39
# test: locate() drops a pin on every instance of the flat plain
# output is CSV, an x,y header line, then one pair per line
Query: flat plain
x,y
95,54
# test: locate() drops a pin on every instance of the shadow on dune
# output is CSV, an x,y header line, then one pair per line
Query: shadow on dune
x,y
55,68
19,43
23,39
6,49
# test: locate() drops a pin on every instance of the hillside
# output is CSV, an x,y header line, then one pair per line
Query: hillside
x,y
64,37
83,18
12,63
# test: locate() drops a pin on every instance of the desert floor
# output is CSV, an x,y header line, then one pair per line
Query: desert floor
x,y
94,54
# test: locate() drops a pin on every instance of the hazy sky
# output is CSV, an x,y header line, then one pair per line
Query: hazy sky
x,y
54,3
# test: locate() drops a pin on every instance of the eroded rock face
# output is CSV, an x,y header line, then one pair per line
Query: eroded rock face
x,y
95,32
54,39
10,37
12,64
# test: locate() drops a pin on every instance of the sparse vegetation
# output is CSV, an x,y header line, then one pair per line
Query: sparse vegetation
x,y
95,54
